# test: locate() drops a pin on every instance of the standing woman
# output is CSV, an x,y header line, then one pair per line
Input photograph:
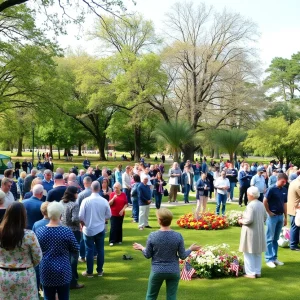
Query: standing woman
x,y
159,184
167,246
135,198
20,183
197,172
105,190
253,241
118,203
174,181
70,218
57,243
203,188
20,252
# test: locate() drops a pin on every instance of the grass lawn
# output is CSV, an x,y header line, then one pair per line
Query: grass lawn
x,y
124,280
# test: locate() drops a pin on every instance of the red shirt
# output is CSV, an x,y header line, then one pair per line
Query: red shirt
x,y
118,204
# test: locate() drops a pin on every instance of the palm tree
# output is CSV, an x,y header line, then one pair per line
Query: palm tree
x,y
175,134
229,140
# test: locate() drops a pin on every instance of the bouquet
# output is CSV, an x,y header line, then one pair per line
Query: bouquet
x,y
215,262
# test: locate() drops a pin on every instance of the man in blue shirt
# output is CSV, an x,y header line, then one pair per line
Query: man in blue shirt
x,y
144,193
275,202
33,206
259,181
86,163
47,181
57,193
244,178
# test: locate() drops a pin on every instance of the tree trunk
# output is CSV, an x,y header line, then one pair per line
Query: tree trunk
x,y
20,144
176,157
137,142
101,146
217,153
231,158
51,150
58,150
212,153
188,152
79,148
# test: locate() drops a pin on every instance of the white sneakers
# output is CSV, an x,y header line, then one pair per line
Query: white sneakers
x,y
278,263
272,264
111,244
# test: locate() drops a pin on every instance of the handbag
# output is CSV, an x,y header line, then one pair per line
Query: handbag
x,y
166,193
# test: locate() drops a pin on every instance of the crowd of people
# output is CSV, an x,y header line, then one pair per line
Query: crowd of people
x,y
63,219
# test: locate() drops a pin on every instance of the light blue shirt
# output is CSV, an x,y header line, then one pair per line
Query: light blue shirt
x,y
94,210
260,182
272,181
82,195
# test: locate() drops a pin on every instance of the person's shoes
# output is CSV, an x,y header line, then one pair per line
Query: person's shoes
x,y
85,274
100,274
148,226
258,275
295,249
120,243
249,276
278,263
270,264
141,228
81,259
229,200
241,205
77,286
111,244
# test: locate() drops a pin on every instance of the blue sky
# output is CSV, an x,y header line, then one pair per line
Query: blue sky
x,y
278,22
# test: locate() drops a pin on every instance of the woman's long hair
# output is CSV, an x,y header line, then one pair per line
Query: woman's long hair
x,y
69,194
12,226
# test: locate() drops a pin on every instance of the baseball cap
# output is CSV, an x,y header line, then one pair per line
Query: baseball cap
x,y
260,169
58,176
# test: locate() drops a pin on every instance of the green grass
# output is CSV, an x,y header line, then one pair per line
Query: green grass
x,y
124,280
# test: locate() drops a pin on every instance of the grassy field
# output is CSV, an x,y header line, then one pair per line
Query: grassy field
x,y
124,280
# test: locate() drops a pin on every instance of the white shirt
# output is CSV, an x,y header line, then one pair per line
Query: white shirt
x,y
126,181
9,165
222,182
94,210
9,199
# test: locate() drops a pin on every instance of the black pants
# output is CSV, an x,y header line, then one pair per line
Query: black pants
x,y
243,193
116,230
261,197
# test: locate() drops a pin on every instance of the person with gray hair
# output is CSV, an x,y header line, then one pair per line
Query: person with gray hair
x,y
2,205
253,242
6,184
57,243
47,182
33,206
93,213
28,180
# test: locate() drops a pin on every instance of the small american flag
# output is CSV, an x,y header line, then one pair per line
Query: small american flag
x,y
187,272
235,267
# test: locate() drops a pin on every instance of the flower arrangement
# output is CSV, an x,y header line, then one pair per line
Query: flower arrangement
x,y
233,217
215,262
207,221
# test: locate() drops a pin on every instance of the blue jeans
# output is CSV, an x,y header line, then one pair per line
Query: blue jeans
x,y
274,226
135,209
82,251
89,242
127,192
63,292
231,190
221,199
187,189
158,197
294,234
74,260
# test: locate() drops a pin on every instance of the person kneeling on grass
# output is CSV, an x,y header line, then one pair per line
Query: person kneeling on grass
x,y
164,245
253,241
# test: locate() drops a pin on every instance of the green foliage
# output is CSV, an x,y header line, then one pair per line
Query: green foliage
x,y
229,140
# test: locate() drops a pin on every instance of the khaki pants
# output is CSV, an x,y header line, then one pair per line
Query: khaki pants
x,y
144,215
173,193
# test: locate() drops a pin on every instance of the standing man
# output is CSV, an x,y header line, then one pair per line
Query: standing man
x,y
28,180
58,191
144,193
270,169
259,181
86,163
9,164
24,165
17,169
33,206
186,181
47,181
275,202
93,213
244,178
80,178
9,173
5,187
232,175
293,205
163,158
126,183
222,185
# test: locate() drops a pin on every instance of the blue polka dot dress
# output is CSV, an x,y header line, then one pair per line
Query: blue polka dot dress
x,y
56,244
